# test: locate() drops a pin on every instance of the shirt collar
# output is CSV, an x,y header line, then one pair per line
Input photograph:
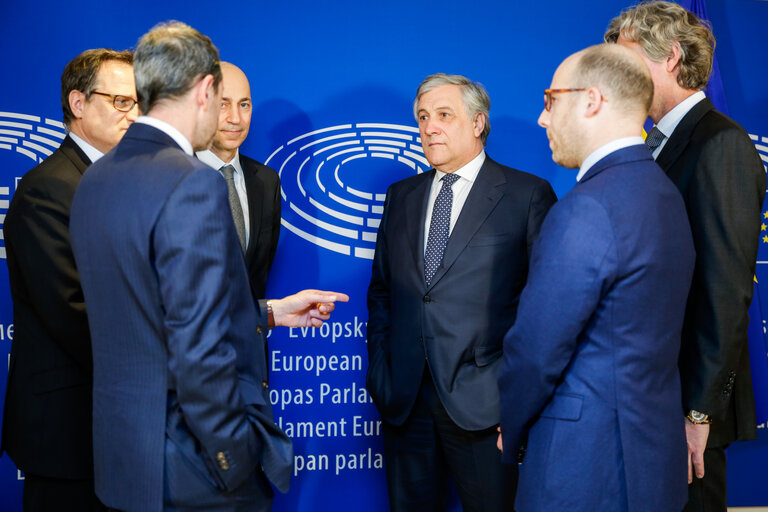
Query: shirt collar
x,y
669,122
169,130
209,157
91,152
605,150
468,171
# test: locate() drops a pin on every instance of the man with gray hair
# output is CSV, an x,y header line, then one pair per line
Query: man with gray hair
x,y
451,259
181,414
715,165
589,379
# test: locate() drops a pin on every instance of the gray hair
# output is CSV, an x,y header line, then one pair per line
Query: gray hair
x,y
168,61
657,27
476,100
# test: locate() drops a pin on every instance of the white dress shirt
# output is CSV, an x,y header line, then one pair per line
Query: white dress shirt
x,y
460,188
605,150
209,157
669,122
169,130
91,152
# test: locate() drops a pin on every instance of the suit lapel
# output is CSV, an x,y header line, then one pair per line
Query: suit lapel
x,y
415,212
76,155
482,199
679,139
255,192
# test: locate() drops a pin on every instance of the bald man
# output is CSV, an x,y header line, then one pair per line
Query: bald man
x,y
590,374
254,187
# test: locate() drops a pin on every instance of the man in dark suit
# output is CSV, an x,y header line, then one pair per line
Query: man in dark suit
x,y
715,165
451,259
47,416
590,372
181,412
256,186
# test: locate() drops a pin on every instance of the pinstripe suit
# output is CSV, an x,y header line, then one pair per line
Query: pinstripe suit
x,y
181,415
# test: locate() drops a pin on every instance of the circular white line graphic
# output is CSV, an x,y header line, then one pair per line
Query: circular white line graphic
x,y
325,174
32,136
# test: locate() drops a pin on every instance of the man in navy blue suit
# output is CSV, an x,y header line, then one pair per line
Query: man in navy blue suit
x,y
451,259
181,414
590,374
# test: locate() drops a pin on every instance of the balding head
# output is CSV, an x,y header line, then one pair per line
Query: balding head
x,y
620,74
597,95
235,114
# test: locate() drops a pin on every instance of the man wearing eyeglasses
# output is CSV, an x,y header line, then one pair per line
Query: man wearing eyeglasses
x,y
590,375
715,165
47,416
254,187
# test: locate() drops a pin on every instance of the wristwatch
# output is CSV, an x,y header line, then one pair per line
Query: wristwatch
x,y
698,418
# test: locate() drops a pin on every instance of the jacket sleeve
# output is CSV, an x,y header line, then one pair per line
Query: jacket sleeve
x,y
724,203
191,242
557,302
542,199
377,380
37,231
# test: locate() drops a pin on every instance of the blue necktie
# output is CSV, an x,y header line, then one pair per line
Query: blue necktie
x,y
439,228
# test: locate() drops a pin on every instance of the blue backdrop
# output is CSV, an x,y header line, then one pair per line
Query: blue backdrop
x,y
332,86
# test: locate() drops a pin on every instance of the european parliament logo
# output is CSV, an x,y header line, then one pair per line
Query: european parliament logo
x,y
761,143
31,136
334,181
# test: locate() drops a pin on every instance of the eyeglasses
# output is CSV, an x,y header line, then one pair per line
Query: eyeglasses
x,y
121,103
548,93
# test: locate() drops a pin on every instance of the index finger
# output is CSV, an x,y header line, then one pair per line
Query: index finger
x,y
324,296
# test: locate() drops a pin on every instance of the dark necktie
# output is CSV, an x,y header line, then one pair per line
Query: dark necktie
x,y
654,138
234,203
439,228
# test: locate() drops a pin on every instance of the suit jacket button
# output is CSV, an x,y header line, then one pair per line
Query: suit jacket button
x,y
222,460
427,299
258,330
264,385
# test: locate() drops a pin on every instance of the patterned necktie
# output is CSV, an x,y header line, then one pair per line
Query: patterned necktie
x,y
654,138
234,203
439,228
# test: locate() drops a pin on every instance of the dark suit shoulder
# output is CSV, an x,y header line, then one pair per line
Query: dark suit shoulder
x,y
714,124
724,147
519,178
265,173
51,172
411,182
54,182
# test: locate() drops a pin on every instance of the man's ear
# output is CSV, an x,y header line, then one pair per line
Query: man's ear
x,y
478,125
203,91
674,57
594,101
77,103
